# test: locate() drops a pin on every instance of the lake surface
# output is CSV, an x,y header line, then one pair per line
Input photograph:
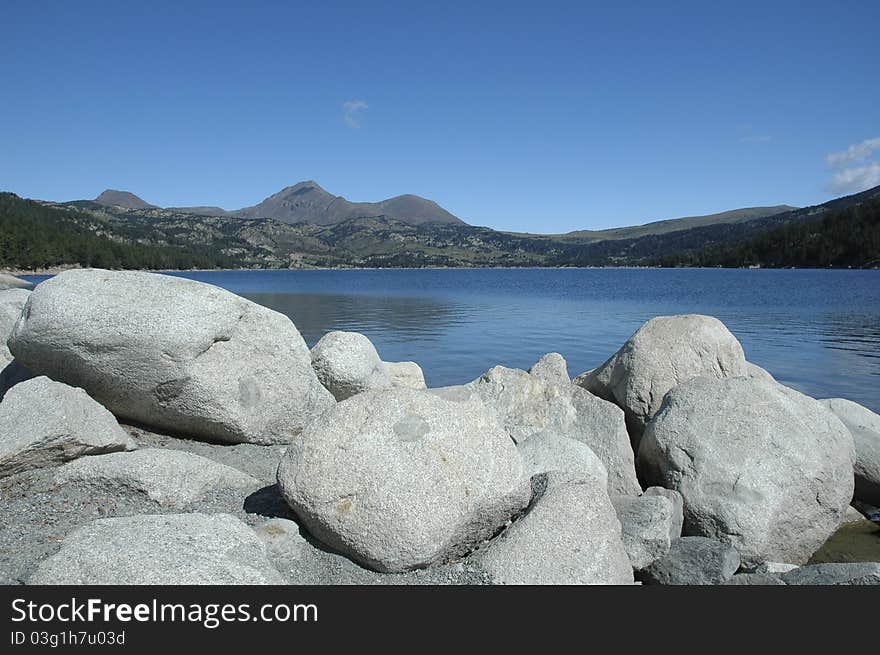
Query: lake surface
x,y
815,330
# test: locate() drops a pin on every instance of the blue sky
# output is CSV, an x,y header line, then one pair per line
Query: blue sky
x,y
542,117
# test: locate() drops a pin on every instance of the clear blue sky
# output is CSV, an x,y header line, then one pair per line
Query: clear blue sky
x,y
541,117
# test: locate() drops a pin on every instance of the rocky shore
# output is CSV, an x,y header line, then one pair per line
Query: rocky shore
x,y
158,430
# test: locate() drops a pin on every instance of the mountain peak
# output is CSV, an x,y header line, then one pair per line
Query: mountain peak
x,y
122,199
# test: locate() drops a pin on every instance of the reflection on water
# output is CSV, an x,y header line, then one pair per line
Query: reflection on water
x,y
818,331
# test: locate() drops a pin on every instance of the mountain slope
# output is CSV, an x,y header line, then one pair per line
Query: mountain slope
x,y
114,198
307,202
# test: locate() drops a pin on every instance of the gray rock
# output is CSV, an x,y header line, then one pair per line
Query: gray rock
x,y
527,405
546,451
837,573
553,368
171,478
677,502
400,479
864,425
44,423
694,561
11,282
763,467
756,372
347,364
170,549
755,580
569,535
650,525
775,568
12,302
11,374
852,515
663,353
173,354
406,374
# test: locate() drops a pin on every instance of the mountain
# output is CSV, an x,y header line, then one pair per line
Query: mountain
x,y
307,202
85,232
114,198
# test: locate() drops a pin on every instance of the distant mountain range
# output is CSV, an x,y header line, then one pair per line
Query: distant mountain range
x,y
307,202
118,229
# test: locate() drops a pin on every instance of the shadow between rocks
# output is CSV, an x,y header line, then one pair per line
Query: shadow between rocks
x,y
268,501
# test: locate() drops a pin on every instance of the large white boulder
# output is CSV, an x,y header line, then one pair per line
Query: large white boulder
x,y
400,479
546,451
11,282
169,549
528,405
406,374
864,425
45,423
760,466
663,353
650,524
173,354
570,535
171,478
347,364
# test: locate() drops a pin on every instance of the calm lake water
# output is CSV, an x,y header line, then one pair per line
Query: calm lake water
x,y
815,330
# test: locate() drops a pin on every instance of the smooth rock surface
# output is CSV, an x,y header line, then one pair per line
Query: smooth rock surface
x,y
650,525
347,364
755,371
527,405
12,303
45,423
170,549
864,425
677,502
569,535
546,451
758,465
171,478
552,368
405,374
399,479
848,573
694,561
173,354
663,353
11,282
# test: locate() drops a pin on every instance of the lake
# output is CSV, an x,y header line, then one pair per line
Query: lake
x,y
815,330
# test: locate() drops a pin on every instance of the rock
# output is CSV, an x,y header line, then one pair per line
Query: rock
x,y
171,478
775,567
527,405
694,561
400,479
763,467
864,425
169,549
755,579
569,535
852,515
173,354
756,372
347,364
677,503
650,525
11,374
546,451
663,353
11,282
551,368
838,573
11,304
44,423
406,374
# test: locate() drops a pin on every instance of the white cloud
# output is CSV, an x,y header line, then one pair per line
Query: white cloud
x,y
350,109
853,180
856,152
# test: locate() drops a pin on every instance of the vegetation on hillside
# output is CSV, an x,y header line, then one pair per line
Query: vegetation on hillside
x,y
846,238
36,236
